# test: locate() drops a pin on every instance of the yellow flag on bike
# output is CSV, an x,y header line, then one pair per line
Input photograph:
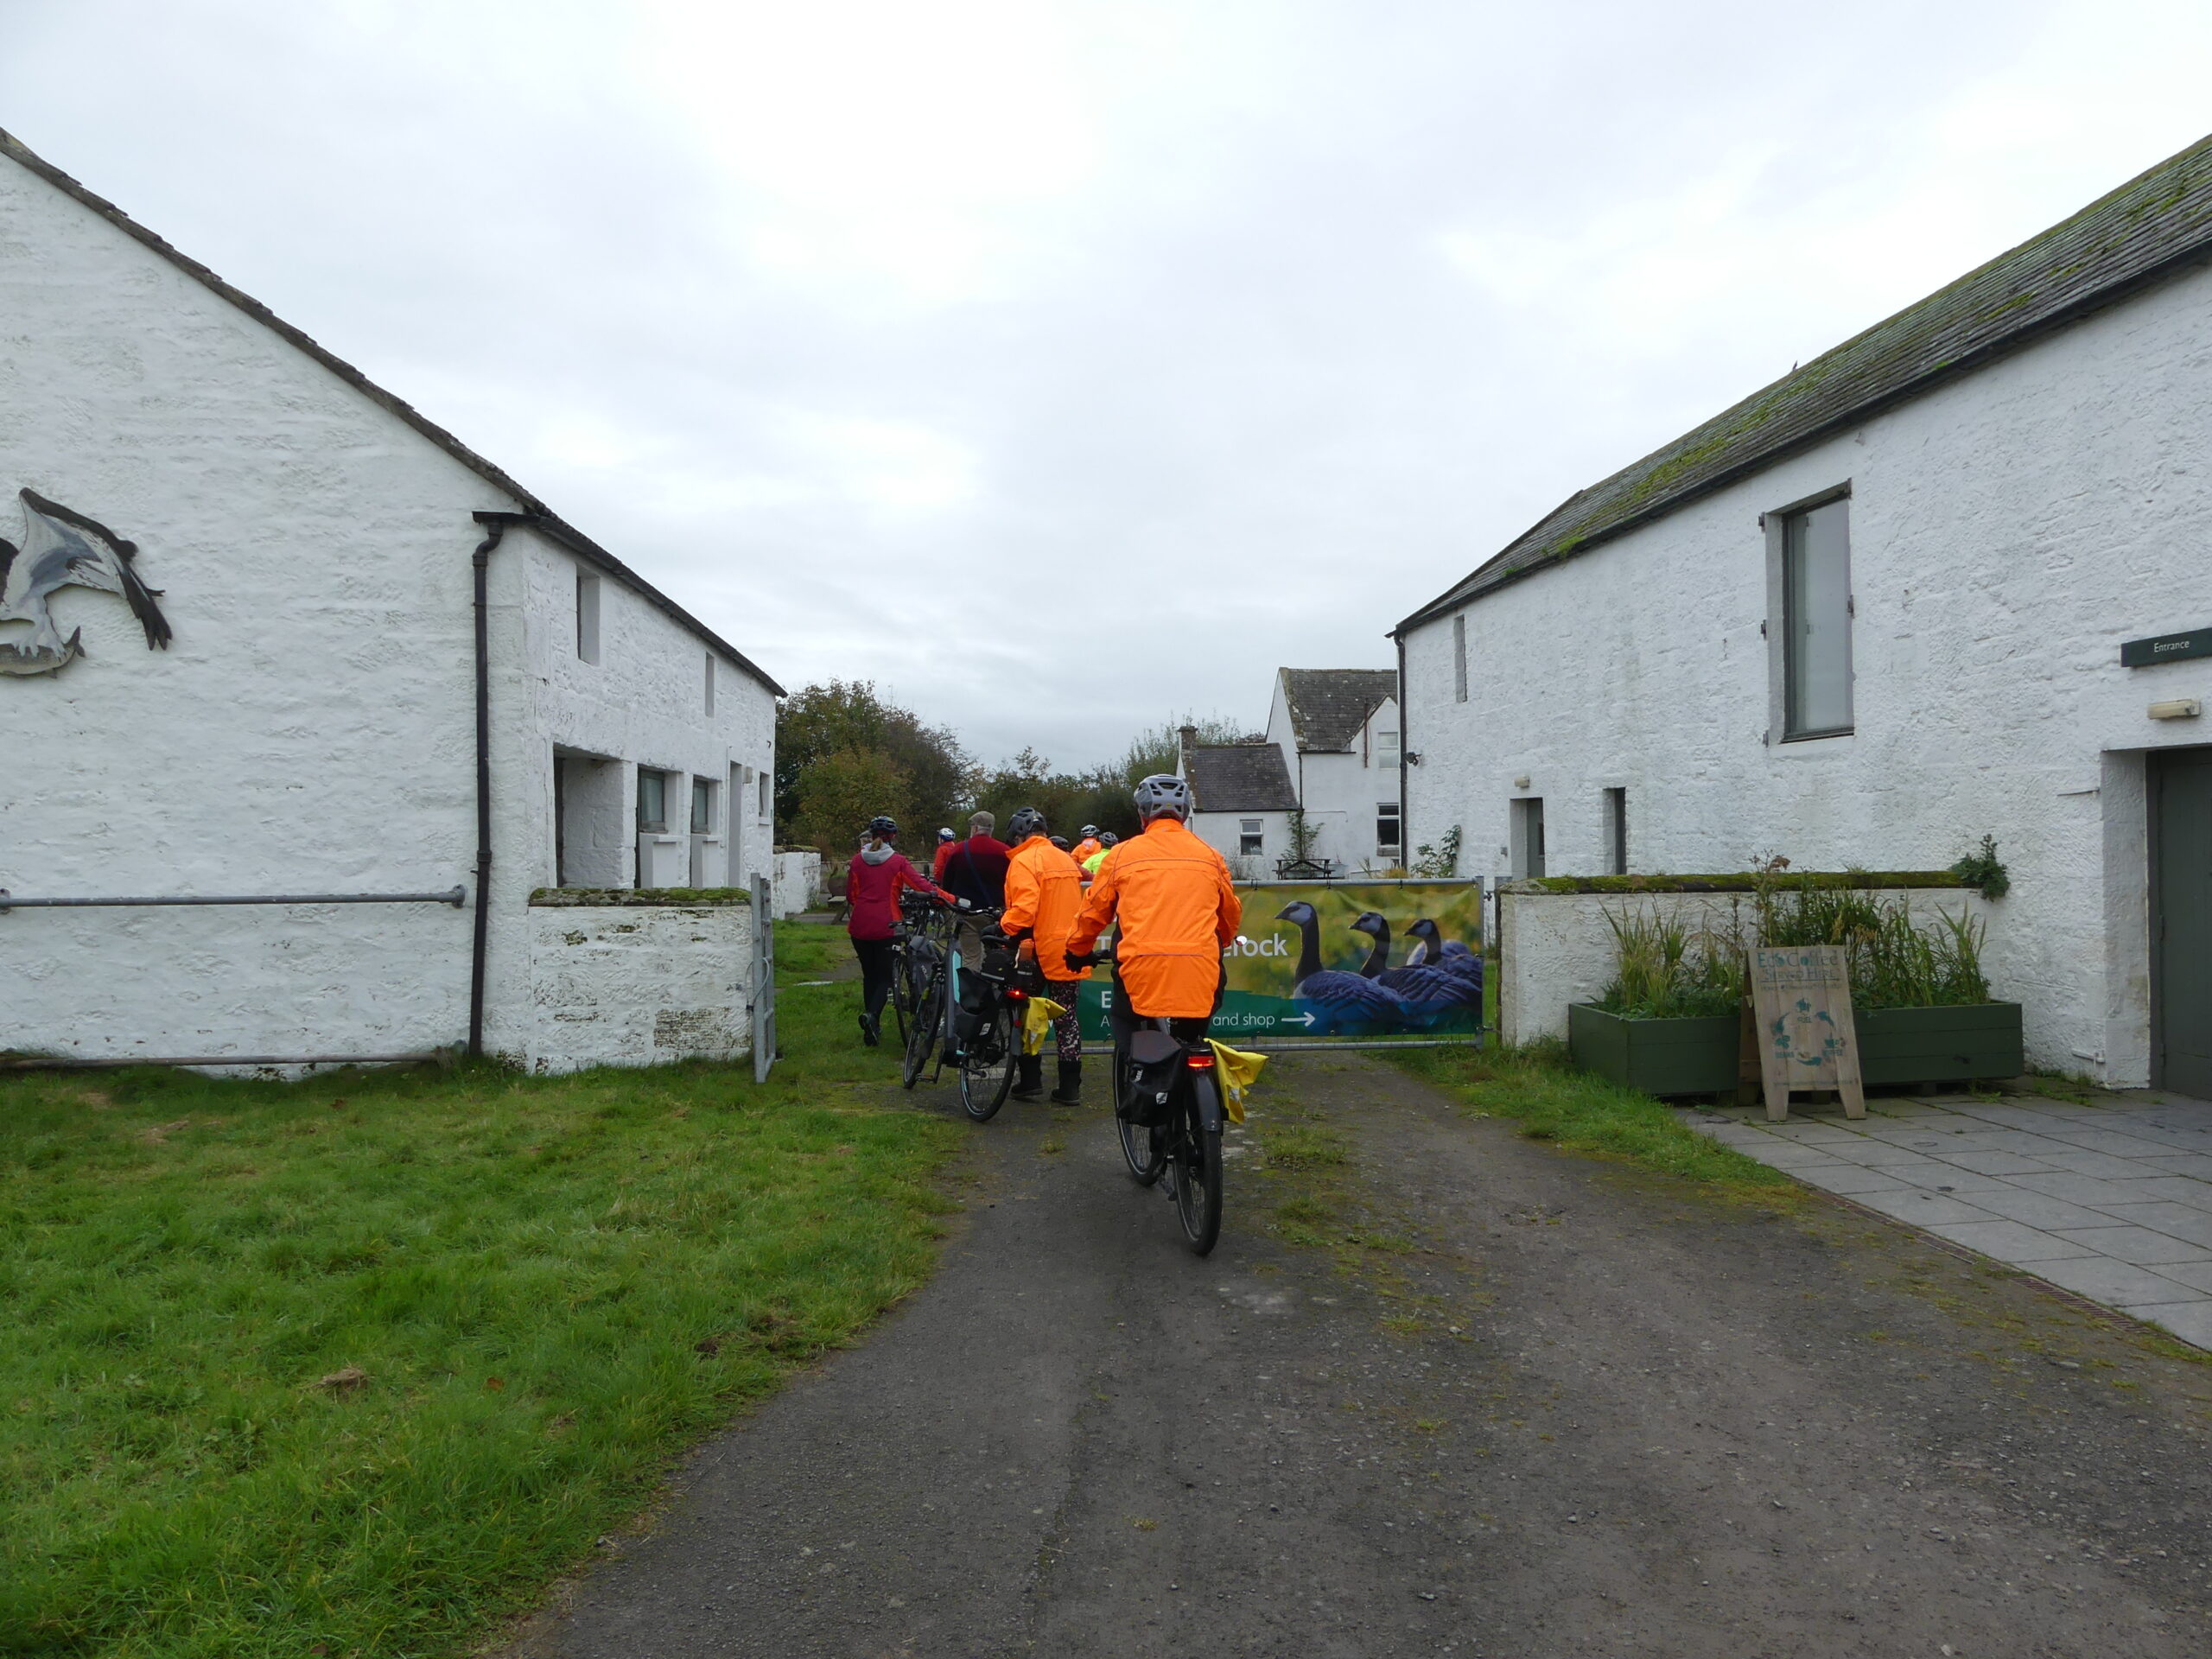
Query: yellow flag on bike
x,y
1037,1023
1238,1071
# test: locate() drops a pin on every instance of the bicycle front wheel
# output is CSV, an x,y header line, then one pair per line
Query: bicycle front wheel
x,y
902,990
922,1038
1196,1153
987,1066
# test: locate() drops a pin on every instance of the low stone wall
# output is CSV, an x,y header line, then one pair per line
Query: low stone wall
x,y
630,978
798,880
1556,947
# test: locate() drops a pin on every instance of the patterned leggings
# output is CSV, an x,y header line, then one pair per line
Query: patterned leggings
x,y
1067,1032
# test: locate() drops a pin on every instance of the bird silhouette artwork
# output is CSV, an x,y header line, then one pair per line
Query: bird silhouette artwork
x,y
63,548
1427,993
1437,955
1333,1001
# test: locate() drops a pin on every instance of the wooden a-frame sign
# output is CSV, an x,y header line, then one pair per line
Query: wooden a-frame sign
x,y
1801,1026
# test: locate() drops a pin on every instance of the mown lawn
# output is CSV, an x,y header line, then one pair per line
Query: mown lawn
x,y
357,1365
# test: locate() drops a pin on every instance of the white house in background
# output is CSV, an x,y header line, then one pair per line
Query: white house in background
x,y
1333,736
1242,800
264,683
1949,580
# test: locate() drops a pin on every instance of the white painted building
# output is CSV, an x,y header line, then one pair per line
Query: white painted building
x,y
1333,734
1875,612
310,726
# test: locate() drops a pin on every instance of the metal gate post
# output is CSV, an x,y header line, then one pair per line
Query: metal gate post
x,y
764,978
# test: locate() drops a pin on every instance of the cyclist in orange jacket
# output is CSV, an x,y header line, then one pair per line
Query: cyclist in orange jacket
x,y
1042,898
1172,896
1089,844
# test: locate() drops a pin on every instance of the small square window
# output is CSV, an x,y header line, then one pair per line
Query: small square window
x,y
1251,839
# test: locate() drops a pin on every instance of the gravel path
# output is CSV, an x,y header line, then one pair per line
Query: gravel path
x,y
1567,1407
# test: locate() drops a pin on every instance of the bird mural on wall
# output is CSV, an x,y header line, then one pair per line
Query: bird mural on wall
x,y
63,548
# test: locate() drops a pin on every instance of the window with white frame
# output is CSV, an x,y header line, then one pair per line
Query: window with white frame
x,y
1816,617
765,799
1251,838
1387,833
1386,749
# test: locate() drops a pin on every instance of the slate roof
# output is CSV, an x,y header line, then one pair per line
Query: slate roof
x,y
2152,227
1329,705
1241,777
534,513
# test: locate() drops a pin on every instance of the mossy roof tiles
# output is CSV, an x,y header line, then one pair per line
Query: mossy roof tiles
x,y
2151,228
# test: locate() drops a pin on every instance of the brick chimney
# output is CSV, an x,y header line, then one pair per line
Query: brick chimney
x,y
1186,739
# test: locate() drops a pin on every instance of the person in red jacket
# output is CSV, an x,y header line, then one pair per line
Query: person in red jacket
x,y
877,871
976,866
946,841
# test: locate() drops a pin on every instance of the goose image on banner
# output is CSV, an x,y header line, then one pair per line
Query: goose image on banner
x,y
63,548
1427,994
1337,1003
1451,957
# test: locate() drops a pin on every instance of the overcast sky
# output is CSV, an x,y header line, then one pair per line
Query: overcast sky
x,y
1063,365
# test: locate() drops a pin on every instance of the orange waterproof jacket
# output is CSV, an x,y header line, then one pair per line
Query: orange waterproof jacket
x,y
1178,912
1084,848
1042,894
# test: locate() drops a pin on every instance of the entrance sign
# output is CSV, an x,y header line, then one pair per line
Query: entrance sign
x,y
1801,1010
1344,960
2165,648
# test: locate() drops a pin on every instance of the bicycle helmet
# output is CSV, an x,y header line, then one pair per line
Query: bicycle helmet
x,y
1089,830
882,826
1163,794
946,834
1109,839
1026,821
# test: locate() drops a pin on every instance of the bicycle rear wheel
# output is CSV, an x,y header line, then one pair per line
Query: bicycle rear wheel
x,y
987,1066
922,1038
1141,1150
1196,1153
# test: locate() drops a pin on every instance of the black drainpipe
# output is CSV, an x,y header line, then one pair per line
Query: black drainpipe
x,y
495,526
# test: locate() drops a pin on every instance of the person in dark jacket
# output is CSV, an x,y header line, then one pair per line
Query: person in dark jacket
x,y
872,881
976,870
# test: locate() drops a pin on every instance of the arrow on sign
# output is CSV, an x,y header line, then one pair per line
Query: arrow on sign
x,y
1305,1020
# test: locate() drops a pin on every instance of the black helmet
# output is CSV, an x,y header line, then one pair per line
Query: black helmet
x,y
1026,821
1163,794
881,826
1089,830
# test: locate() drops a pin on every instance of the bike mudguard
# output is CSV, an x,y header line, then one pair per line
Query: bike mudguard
x,y
1209,1101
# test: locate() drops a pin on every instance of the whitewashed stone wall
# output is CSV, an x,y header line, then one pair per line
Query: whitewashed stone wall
x,y
2008,533
797,880
627,985
1555,949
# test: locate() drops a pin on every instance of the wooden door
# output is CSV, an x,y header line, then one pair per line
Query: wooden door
x,y
2180,920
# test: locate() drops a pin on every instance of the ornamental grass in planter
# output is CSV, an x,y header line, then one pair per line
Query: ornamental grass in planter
x,y
1670,1023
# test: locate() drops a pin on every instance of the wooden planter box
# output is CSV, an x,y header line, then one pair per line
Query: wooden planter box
x,y
1660,1057
1895,1046
1957,1045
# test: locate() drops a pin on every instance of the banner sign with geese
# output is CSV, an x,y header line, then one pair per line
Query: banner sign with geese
x,y
1337,959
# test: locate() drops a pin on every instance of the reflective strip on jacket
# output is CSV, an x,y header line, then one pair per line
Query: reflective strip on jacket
x,y
1042,894
1177,912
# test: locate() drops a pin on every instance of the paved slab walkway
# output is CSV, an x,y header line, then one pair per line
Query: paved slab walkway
x,y
2112,1200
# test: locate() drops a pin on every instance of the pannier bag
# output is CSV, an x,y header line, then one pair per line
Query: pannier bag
x,y
1153,1056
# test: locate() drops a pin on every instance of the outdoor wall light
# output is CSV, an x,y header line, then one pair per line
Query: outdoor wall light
x,y
1520,783
2177,709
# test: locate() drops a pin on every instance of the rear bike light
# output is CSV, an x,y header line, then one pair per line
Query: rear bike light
x,y
1198,1062
1017,996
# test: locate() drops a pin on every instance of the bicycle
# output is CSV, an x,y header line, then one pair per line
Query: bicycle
x,y
1167,1114
968,1017
912,949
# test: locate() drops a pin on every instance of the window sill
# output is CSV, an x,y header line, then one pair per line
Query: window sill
x,y
1816,737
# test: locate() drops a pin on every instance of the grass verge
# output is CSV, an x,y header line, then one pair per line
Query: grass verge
x,y
1550,1100
357,1365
